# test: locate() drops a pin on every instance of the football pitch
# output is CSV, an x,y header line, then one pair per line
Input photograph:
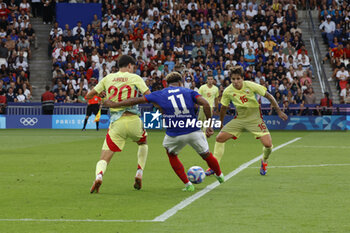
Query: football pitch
x,y
46,175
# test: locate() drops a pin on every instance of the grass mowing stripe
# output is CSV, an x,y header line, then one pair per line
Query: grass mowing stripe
x,y
167,214
311,165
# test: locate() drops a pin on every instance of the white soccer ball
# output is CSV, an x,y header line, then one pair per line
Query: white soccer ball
x,y
196,174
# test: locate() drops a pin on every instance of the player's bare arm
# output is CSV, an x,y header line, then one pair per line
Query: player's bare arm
x,y
206,107
112,104
124,103
274,104
91,94
216,111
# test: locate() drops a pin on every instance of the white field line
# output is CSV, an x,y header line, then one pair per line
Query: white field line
x,y
311,165
330,147
70,220
167,214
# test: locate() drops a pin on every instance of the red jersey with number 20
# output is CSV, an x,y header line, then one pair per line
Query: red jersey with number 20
x,y
121,86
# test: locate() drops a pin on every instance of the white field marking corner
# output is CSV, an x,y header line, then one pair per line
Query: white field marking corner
x,y
167,214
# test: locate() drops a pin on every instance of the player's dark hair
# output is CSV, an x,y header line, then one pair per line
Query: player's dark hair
x,y
125,60
173,77
237,70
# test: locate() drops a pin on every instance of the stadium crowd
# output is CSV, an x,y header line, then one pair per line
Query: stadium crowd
x,y
335,26
16,37
196,38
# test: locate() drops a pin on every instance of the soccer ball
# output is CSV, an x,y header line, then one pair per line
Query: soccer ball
x,y
196,174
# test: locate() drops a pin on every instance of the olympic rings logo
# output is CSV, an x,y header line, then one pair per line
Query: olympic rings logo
x,y
28,121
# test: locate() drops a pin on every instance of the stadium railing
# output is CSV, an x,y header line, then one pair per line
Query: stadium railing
x,y
59,109
321,73
80,109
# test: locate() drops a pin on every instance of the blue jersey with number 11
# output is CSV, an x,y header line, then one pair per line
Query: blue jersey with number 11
x,y
178,108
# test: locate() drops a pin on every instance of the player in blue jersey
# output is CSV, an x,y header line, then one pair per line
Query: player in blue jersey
x,y
177,105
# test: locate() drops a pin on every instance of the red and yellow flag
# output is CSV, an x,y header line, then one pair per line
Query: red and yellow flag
x,y
98,116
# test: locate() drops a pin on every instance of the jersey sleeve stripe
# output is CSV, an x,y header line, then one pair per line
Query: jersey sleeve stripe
x,y
146,99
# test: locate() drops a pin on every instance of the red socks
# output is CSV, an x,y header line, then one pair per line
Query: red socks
x,y
213,164
178,168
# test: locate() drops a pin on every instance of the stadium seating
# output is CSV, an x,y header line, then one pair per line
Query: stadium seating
x,y
16,35
335,26
195,38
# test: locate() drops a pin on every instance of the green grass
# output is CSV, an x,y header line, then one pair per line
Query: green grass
x,y
47,174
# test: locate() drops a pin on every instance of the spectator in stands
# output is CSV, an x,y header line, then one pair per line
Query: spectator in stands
x,y
3,102
81,96
286,108
310,97
30,33
21,98
250,57
71,97
221,34
188,82
36,8
269,44
347,52
26,92
11,96
300,71
328,28
47,11
195,50
58,86
47,99
3,54
338,53
56,30
345,95
333,45
2,86
24,6
10,44
326,105
61,96
342,77
305,78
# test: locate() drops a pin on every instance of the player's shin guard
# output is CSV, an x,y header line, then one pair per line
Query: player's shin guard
x,y
219,150
101,167
142,156
178,168
266,151
213,164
